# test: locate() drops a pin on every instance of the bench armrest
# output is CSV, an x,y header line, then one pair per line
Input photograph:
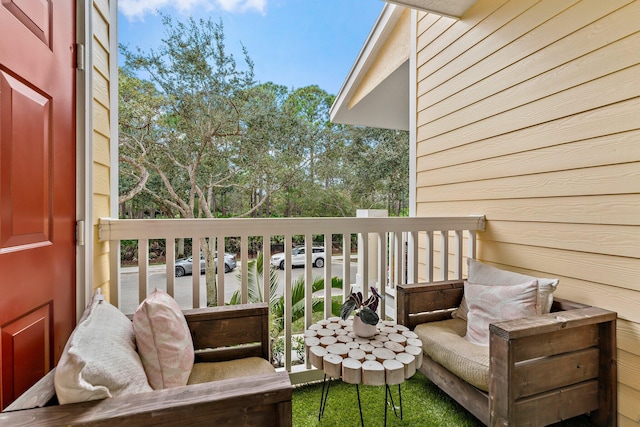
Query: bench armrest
x,y
256,400
428,302
230,332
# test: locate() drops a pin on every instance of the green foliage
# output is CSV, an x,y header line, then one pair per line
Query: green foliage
x,y
277,350
255,269
200,138
297,302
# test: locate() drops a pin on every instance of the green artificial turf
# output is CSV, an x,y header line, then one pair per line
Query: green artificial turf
x,y
424,405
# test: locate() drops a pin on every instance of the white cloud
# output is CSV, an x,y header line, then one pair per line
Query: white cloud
x,y
242,5
137,9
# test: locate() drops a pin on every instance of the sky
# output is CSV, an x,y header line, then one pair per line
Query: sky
x,y
294,43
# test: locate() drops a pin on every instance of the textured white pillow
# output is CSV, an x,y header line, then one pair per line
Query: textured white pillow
x,y
484,274
164,341
100,358
490,304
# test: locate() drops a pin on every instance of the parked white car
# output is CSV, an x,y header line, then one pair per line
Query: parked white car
x,y
298,257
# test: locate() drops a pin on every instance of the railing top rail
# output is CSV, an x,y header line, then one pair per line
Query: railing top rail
x,y
122,229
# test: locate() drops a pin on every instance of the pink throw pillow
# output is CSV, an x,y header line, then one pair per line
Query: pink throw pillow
x,y
164,341
490,304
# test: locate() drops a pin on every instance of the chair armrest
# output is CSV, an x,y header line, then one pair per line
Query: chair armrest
x,y
546,323
428,302
256,400
563,361
230,332
37,396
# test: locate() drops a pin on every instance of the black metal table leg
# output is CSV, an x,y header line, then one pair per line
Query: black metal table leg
x,y
324,396
359,405
400,397
386,395
388,398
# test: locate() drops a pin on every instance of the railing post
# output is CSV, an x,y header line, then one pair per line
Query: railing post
x,y
244,272
346,266
368,264
170,256
288,247
195,271
219,275
429,256
444,255
382,271
308,280
328,247
458,255
114,273
412,257
143,269
266,269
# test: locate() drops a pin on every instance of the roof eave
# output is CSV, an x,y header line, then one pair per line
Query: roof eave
x,y
340,112
451,8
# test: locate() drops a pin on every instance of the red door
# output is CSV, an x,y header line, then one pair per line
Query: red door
x,y
37,189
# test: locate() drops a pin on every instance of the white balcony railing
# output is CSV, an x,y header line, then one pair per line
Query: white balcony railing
x,y
406,250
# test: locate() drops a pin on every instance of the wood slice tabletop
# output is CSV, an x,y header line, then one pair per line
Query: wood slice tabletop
x,y
389,357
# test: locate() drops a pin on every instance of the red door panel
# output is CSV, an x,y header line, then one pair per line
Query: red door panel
x,y
27,342
37,189
25,147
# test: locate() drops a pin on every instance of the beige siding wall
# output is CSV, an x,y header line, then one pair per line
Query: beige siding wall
x,y
529,112
101,107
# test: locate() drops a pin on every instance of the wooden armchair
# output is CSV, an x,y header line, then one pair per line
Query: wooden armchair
x,y
219,334
542,369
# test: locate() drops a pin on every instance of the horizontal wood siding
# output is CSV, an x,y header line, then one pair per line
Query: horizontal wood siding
x,y
529,112
101,100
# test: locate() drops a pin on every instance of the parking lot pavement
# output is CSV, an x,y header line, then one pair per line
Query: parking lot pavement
x,y
183,285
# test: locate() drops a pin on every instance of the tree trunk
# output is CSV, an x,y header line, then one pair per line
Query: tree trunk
x,y
181,247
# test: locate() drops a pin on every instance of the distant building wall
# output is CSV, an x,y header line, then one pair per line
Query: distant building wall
x,y
529,112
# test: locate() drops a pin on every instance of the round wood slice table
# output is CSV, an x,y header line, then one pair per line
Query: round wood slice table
x,y
385,359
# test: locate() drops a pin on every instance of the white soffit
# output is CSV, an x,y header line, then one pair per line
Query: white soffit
x,y
387,105
452,8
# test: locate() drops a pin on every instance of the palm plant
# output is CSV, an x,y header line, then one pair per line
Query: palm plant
x,y
297,302
255,269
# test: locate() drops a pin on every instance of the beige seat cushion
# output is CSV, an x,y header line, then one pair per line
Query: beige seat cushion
x,y
444,342
216,371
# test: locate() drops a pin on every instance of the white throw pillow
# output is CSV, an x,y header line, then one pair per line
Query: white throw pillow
x,y
490,304
484,274
164,341
100,359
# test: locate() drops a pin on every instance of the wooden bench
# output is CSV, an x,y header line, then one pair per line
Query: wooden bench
x,y
219,334
542,370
